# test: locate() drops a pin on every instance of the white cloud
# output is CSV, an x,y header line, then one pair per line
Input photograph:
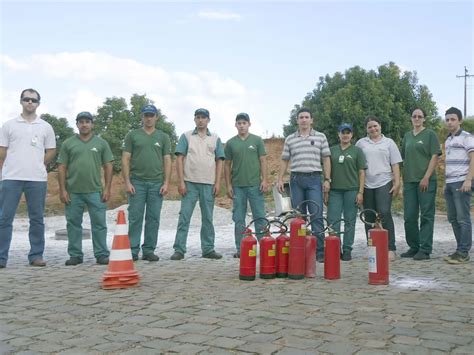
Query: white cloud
x,y
219,16
71,82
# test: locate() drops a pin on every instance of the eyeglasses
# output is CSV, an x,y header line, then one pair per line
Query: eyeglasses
x,y
28,99
417,116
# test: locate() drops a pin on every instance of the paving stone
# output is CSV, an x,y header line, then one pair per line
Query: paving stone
x,y
193,338
161,333
46,347
224,342
338,348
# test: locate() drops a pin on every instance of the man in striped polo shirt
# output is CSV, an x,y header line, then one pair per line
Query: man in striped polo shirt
x,y
459,186
308,151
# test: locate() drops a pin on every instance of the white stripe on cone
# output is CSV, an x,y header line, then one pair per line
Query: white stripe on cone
x,y
120,255
121,229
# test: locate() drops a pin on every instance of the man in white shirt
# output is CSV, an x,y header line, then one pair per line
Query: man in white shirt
x,y
27,144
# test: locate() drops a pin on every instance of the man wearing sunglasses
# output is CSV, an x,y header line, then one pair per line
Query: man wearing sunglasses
x,y
27,144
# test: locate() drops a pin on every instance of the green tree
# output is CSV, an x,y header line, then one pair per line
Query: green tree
x,y
388,93
115,118
62,131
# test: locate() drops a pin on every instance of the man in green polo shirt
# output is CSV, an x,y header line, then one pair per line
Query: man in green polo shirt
x,y
146,169
245,171
347,187
80,185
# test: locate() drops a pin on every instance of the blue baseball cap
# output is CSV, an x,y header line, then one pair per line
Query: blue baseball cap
x,y
242,116
84,114
202,112
150,109
345,126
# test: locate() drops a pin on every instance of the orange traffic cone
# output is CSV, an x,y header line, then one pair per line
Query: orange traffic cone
x,y
121,272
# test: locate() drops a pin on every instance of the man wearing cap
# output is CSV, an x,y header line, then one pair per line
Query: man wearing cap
x,y
347,187
27,144
308,151
245,173
80,185
146,169
199,166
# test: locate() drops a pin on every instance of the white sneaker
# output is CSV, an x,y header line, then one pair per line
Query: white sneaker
x,y
392,255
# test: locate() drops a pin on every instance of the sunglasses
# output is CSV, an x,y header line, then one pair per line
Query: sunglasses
x,y
417,116
28,99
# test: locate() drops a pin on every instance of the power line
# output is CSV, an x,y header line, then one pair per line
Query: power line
x,y
465,76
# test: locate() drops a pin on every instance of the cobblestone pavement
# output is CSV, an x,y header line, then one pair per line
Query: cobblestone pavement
x,y
200,306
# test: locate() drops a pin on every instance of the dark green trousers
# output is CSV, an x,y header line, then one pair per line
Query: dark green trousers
x,y
419,210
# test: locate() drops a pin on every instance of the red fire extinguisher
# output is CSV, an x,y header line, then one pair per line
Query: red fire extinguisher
x,y
267,256
296,259
310,255
332,255
248,257
282,252
377,250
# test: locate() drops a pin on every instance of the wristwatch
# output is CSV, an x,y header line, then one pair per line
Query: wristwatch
x,y
328,180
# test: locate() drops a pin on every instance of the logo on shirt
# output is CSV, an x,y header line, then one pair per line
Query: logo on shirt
x,y
420,142
252,147
348,156
158,144
94,149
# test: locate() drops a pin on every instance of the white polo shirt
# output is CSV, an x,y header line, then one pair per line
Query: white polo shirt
x,y
26,143
380,157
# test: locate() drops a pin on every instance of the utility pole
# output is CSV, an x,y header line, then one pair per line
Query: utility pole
x,y
465,76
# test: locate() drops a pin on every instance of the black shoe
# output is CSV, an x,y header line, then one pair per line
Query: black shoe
x,y
410,253
151,257
177,256
73,260
212,255
421,256
2,266
102,260
134,257
346,255
320,258
450,256
459,259
236,255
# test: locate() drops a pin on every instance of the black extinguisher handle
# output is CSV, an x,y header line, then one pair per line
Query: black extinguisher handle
x,y
330,228
283,226
298,211
378,218
325,221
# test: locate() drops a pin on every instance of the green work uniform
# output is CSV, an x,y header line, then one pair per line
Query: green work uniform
x,y
417,151
246,179
83,161
345,182
146,175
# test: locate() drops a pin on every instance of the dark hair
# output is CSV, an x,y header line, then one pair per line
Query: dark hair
x,y
454,110
422,111
31,90
372,118
304,109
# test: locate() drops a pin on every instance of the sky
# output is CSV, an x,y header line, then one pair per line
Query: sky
x,y
259,57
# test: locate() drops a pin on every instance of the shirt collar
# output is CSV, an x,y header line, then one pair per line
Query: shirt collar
x,y
311,133
21,119
195,131
458,133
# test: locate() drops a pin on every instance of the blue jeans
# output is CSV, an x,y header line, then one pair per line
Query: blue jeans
x,y
254,196
74,213
204,194
147,193
343,202
458,205
35,195
309,187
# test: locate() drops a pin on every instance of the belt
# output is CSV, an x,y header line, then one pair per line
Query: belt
x,y
297,173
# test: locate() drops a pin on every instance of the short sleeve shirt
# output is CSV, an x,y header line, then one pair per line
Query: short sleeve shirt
x,y
417,152
245,156
26,143
458,147
306,153
345,167
380,157
83,160
147,152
